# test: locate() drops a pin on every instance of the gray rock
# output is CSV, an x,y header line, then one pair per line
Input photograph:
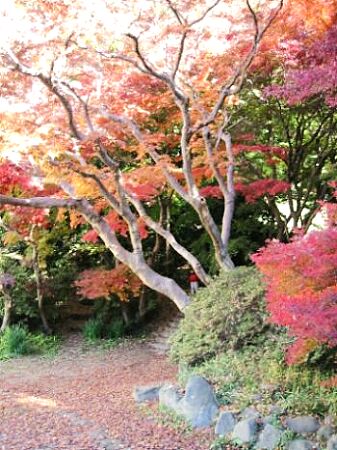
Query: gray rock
x,y
300,444
250,413
146,393
168,396
332,442
325,432
269,437
199,405
256,398
303,424
245,431
276,410
225,424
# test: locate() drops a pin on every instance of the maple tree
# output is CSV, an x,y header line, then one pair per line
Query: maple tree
x,y
289,171
301,294
28,225
148,110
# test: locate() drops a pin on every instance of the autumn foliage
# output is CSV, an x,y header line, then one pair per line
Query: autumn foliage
x,y
100,283
301,280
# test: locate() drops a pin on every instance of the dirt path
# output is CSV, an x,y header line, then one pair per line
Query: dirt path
x,y
82,400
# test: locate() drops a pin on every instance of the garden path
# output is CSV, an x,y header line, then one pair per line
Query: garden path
x,y
82,400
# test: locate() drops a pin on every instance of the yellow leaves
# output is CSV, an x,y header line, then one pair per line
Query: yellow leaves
x,y
61,214
232,100
75,219
11,238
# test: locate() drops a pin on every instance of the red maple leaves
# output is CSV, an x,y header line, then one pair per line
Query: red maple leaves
x,y
301,280
102,283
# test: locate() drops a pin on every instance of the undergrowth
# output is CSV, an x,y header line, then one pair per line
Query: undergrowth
x,y
18,341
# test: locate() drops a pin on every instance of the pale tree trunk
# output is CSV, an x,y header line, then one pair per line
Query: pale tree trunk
x,y
38,282
142,304
135,261
8,308
125,313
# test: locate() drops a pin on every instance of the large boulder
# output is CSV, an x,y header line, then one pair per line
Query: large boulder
x,y
303,424
199,405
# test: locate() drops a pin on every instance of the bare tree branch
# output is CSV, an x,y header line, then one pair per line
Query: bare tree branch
x,y
39,202
234,85
47,81
180,54
177,13
202,17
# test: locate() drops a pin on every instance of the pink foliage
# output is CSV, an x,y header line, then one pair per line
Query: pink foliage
x,y
259,188
310,71
90,236
211,191
301,279
11,177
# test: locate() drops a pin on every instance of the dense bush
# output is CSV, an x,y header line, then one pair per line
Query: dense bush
x,y
228,314
17,341
96,328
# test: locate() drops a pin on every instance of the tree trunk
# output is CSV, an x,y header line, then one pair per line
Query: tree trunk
x,y
125,313
8,307
38,281
134,261
142,304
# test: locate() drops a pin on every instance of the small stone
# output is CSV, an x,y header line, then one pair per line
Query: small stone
x,y
245,431
303,424
276,410
328,420
300,444
332,442
269,388
225,423
325,432
169,397
250,413
256,397
146,393
269,438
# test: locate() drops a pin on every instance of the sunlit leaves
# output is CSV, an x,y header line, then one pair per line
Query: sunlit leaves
x,y
101,283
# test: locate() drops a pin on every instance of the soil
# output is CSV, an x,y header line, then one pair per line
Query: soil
x,y
83,400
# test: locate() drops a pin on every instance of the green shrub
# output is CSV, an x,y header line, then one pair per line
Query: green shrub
x,y
228,314
115,329
93,329
17,341
97,328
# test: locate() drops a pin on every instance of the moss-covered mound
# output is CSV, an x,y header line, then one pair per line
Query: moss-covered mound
x,y
228,314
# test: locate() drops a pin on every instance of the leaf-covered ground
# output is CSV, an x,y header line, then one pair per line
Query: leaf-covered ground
x,y
83,401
